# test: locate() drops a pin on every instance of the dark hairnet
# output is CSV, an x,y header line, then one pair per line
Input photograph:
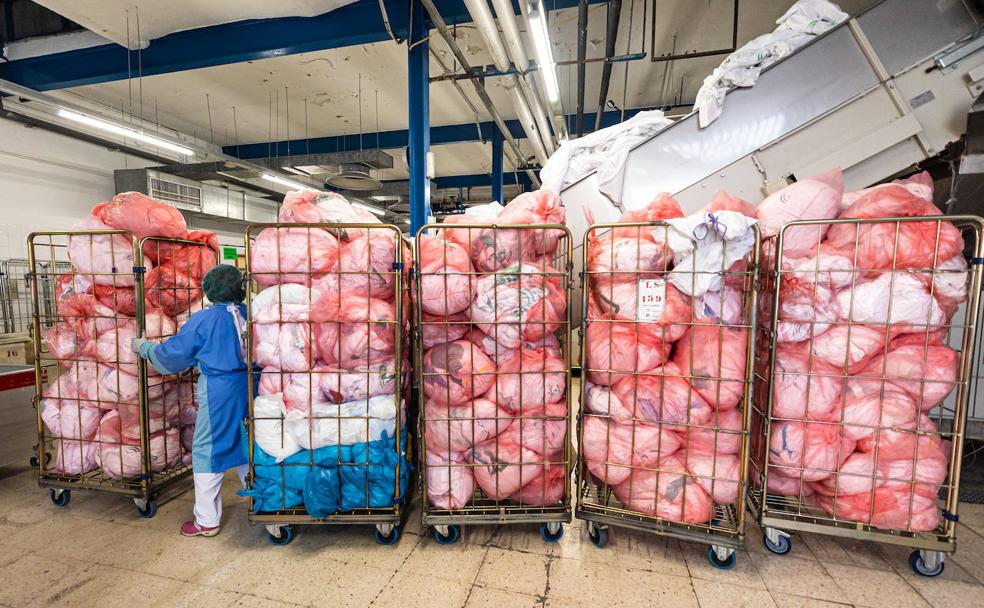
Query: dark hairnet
x,y
224,285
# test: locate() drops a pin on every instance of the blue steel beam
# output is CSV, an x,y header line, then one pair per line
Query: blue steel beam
x,y
418,67
251,40
497,141
480,180
389,140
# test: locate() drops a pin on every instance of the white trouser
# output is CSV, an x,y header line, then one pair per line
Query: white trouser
x,y
208,496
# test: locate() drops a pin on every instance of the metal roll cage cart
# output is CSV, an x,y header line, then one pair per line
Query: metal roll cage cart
x,y
777,513
279,524
481,509
144,483
597,502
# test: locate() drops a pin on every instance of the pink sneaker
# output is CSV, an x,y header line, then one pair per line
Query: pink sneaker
x,y
191,528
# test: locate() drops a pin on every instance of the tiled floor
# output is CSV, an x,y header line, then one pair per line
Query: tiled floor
x,y
97,552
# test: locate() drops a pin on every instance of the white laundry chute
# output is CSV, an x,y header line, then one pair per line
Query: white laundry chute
x,y
873,96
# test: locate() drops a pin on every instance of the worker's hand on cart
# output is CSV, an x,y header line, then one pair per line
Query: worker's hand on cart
x,y
136,342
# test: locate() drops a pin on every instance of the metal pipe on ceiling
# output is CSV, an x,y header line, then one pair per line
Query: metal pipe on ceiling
x,y
483,95
524,100
582,52
611,36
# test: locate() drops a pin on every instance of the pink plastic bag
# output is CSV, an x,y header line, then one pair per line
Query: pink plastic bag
x,y
815,198
718,474
714,358
437,329
192,260
905,442
367,332
503,467
70,419
541,429
538,207
804,388
63,343
141,215
856,476
599,399
457,372
290,302
547,489
365,267
612,259
445,282
113,347
927,373
661,208
285,346
528,378
806,309
620,300
519,304
786,486
811,451
310,207
74,457
920,184
122,460
458,428
104,259
870,404
891,297
173,292
611,448
722,201
292,255
828,267
917,245
668,493
721,435
925,477
664,396
615,350
848,348
450,482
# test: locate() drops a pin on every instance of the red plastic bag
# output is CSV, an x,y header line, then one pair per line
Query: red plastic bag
x,y
714,358
815,198
63,343
458,428
292,255
457,372
141,215
722,201
615,350
663,207
804,389
171,291
668,493
192,260
917,245
620,259
519,304
664,396
905,441
811,451
721,435
538,207
445,280
927,373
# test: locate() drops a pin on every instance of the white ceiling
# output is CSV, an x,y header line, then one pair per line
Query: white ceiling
x,y
326,83
109,18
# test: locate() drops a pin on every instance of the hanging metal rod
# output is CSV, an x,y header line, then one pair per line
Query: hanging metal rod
x,y
490,71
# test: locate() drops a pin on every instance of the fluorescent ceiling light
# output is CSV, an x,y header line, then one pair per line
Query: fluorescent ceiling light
x,y
286,182
124,131
544,56
378,212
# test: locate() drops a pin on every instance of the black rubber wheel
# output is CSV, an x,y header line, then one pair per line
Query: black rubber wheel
x,y
598,536
919,567
392,539
551,538
727,564
784,546
150,510
35,463
60,499
454,533
284,538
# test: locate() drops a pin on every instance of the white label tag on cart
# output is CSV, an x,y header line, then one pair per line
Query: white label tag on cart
x,y
652,299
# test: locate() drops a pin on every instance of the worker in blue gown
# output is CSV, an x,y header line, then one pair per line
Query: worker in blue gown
x,y
213,341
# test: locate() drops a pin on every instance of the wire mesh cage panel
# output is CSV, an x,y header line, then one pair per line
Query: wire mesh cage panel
x,y
859,424
107,420
493,366
15,292
327,432
667,353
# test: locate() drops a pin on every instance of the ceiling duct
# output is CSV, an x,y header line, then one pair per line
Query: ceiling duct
x,y
354,176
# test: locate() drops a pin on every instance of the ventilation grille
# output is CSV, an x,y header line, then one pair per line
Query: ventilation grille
x,y
181,196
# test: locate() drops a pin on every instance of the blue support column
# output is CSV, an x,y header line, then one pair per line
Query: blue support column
x,y
419,133
497,140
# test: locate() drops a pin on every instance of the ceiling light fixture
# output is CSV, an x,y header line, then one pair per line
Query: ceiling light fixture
x,y
544,56
378,212
124,131
286,182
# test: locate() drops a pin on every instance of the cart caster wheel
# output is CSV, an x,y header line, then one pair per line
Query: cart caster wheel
x,y
35,463
726,564
781,547
391,539
454,533
149,510
284,538
551,537
60,498
598,536
920,568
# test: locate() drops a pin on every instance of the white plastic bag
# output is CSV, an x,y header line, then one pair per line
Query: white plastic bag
x,y
705,245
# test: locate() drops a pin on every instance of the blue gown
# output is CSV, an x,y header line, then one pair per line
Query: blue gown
x,y
209,340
